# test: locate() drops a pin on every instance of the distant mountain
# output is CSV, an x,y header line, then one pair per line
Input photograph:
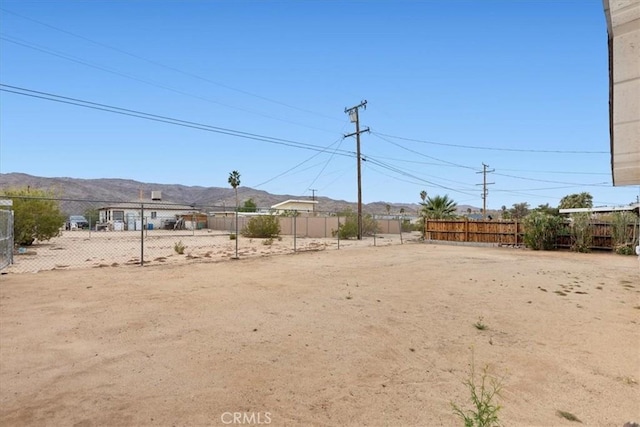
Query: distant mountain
x,y
76,192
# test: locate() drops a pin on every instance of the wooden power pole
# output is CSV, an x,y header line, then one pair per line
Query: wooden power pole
x,y
355,118
485,191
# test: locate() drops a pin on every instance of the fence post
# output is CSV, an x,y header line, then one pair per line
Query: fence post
x,y
515,222
375,229
400,220
295,220
466,229
338,231
142,235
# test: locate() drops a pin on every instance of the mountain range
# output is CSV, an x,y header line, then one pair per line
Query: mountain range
x,y
76,193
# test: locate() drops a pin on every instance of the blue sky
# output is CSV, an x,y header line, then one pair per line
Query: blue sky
x,y
449,86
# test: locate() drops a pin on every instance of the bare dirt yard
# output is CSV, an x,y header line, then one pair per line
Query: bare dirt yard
x,y
371,336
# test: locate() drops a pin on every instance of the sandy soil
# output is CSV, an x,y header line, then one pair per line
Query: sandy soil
x,y
82,248
357,336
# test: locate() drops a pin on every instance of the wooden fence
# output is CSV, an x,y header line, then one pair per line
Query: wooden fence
x,y
511,233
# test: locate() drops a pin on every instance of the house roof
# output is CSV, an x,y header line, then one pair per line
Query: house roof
x,y
631,207
149,204
290,201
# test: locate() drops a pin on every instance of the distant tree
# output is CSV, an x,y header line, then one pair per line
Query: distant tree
x,y
92,215
248,206
439,207
519,210
578,200
401,211
546,209
387,207
423,196
37,215
234,182
348,227
504,213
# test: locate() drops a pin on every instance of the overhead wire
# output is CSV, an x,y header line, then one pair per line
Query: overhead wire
x,y
71,58
164,119
159,64
474,147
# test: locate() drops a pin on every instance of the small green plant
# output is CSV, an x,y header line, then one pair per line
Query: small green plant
x,y
479,324
268,242
625,249
483,394
232,236
179,247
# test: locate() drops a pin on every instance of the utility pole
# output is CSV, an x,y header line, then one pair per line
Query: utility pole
x,y
355,118
313,197
485,191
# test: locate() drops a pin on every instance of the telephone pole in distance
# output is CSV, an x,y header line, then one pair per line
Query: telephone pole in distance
x,y
485,191
355,118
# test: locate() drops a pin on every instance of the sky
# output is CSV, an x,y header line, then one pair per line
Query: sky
x,y
184,92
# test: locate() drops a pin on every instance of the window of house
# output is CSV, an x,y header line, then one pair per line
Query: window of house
x,y
154,215
118,216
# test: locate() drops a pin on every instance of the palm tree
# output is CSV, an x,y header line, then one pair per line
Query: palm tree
x,y
234,181
578,200
519,210
439,207
423,195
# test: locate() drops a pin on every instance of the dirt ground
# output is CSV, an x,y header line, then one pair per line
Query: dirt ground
x,y
377,336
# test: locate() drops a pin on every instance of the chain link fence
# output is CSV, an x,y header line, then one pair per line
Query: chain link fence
x,y
6,237
98,234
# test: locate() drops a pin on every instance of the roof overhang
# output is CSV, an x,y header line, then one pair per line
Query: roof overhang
x,y
623,27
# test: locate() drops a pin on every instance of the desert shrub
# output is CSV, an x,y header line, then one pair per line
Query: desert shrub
x,y
262,226
622,239
483,392
348,227
581,232
179,247
406,226
625,249
232,236
541,230
37,215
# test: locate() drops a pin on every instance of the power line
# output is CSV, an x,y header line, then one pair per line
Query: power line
x,y
149,82
473,147
159,64
404,173
421,154
164,119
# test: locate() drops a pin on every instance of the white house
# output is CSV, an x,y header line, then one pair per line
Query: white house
x,y
156,214
295,205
